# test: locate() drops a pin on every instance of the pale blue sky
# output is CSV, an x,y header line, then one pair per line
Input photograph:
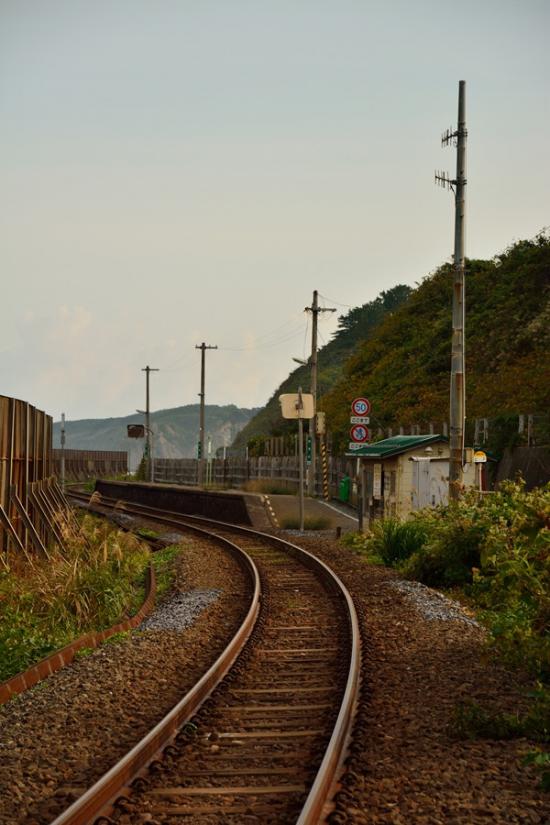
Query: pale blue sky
x,y
173,172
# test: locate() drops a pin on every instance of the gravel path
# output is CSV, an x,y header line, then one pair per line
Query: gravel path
x,y
422,658
59,737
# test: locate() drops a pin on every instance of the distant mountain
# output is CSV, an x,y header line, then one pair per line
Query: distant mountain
x,y
176,431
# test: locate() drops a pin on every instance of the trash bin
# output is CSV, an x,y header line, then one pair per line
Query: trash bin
x,y
344,488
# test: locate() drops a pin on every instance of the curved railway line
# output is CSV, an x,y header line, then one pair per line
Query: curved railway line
x,y
263,735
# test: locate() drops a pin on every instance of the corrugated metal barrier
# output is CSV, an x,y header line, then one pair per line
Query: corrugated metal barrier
x,y
30,499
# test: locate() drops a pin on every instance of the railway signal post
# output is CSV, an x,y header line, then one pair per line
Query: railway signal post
x,y
149,462
201,459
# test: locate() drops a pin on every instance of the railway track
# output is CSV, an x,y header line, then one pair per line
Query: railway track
x,y
268,744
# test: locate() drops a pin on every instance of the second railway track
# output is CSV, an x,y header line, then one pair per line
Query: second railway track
x,y
269,743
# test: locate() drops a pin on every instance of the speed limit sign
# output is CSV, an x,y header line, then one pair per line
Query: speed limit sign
x,y
359,433
360,406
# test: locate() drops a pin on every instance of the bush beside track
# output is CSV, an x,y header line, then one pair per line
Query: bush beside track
x,y
495,553
90,584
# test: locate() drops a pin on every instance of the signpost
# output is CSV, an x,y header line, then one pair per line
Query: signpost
x,y
360,406
360,435
480,458
298,405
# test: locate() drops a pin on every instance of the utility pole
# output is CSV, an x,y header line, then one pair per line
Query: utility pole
x,y
203,347
62,451
458,378
149,462
315,309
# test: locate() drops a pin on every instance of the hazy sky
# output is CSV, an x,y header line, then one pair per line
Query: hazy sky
x,y
178,171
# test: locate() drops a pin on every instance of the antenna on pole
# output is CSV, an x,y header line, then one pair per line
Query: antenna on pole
x,y
445,181
457,137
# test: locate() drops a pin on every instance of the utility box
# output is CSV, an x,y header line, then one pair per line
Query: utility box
x,y
344,489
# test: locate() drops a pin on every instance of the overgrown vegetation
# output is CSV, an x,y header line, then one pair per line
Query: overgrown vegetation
x,y
497,549
91,583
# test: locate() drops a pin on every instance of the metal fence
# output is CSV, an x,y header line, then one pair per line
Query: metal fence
x,y
30,499
278,472
84,464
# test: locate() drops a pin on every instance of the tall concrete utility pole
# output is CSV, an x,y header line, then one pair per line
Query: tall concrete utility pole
x,y
458,375
203,347
149,462
315,309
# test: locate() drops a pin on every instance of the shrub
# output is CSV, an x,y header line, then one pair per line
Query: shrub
x,y
394,541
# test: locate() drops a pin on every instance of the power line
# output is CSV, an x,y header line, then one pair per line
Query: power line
x,y
283,340
333,301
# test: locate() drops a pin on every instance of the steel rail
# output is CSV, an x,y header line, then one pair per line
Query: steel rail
x,y
111,784
315,808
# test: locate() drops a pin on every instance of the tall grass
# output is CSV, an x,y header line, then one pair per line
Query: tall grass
x,y
94,580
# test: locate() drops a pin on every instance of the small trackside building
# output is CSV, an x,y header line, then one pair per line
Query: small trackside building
x,y
405,473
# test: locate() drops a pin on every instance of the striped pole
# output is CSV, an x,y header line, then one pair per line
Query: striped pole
x,y
324,463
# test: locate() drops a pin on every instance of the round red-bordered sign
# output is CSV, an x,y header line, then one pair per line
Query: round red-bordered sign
x,y
360,406
359,433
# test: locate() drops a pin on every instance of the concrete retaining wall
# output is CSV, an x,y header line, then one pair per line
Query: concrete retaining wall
x,y
221,506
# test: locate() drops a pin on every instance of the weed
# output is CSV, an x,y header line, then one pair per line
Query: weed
x,y
147,533
541,761
310,523
83,652
471,721
121,636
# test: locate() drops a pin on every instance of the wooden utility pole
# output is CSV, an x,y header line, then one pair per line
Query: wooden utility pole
x,y
203,347
315,309
149,460
458,376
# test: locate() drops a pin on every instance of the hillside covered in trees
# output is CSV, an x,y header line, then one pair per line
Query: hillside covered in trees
x,y
404,366
396,349
353,328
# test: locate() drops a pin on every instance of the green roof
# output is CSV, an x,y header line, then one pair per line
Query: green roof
x,y
395,445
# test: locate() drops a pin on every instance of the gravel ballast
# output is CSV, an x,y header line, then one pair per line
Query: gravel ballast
x,y
421,659
432,605
180,610
61,736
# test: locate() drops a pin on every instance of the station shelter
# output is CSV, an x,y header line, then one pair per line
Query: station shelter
x,y
405,473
